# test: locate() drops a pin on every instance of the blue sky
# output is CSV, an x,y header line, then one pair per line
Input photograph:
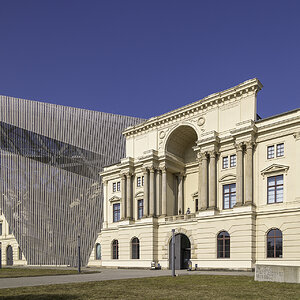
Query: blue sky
x,y
144,58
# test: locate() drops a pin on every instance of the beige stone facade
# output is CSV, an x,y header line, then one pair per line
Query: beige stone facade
x,y
207,168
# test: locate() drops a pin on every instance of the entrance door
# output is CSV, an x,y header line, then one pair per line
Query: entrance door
x,y
9,256
182,252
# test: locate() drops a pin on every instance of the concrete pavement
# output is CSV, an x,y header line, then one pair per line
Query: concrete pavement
x,y
105,274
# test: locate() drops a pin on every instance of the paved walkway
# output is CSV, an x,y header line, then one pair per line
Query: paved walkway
x,y
104,274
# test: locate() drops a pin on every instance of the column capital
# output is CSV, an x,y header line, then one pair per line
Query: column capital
x,y
128,174
163,169
213,154
151,169
239,146
180,174
202,155
250,144
145,170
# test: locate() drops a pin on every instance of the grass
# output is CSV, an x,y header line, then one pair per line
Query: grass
x,y
31,272
182,287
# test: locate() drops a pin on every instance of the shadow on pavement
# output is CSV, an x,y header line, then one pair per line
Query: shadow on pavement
x,y
40,297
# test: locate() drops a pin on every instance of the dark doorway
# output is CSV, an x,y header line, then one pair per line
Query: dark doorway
x,y
182,252
9,256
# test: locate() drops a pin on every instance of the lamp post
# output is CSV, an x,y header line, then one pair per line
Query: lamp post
x,y
79,266
173,252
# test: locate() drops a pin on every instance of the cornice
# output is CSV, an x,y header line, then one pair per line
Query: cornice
x,y
249,86
291,121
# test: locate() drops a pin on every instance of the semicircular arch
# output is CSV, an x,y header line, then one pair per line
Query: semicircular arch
x,y
180,141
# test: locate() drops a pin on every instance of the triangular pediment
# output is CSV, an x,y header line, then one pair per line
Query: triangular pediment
x,y
227,177
114,199
275,168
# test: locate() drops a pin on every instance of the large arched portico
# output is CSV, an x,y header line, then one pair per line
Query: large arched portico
x,y
180,153
9,256
182,251
181,142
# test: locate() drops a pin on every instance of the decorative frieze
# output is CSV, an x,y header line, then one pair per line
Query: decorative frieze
x,y
244,89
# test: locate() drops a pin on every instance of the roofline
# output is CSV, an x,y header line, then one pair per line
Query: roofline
x,y
78,108
278,115
244,87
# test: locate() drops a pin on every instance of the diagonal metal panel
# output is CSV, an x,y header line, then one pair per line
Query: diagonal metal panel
x,y
50,190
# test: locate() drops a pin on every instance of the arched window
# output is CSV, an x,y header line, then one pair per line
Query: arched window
x,y
135,248
115,249
223,244
274,243
98,251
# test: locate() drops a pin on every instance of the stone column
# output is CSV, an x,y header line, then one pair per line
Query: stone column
x,y
249,173
180,194
199,178
129,196
203,189
145,172
123,196
164,192
158,193
105,204
212,180
152,192
239,174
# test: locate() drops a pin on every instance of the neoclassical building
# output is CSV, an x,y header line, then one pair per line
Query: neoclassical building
x,y
226,180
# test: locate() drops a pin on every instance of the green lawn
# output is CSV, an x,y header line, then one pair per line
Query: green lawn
x,y
29,272
182,287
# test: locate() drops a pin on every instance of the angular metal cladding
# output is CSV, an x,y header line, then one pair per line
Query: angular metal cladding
x,y
50,188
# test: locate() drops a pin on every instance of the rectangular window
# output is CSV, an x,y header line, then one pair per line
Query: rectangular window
x,y
0,228
140,208
229,195
9,230
275,189
116,212
280,150
270,152
116,187
196,205
232,160
225,162
140,181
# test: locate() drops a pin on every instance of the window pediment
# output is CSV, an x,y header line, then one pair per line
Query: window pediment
x,y
228,177
139,195
274,168
195,195
114,199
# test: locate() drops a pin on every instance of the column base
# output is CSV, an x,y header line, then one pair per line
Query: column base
x,y
128,219
212,208
238,204
249,203
202,209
